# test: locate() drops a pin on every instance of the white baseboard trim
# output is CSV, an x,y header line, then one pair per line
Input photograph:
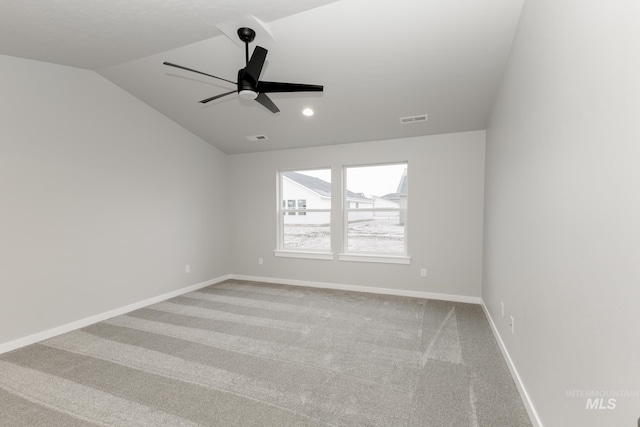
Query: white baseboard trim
x,y
50,333
367,289
528,404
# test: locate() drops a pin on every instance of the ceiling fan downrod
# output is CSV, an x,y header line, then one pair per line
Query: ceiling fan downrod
x,y
247,35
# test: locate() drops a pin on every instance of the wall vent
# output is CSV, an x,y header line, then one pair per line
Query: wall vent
x,y
414,119
257,138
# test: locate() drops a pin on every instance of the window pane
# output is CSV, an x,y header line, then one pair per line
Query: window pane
x,y
309,232
377,199
380,186
302,191
379,232
302,204
291,204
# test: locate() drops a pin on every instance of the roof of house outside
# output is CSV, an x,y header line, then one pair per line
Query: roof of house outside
x,y
402,185
319,186
314,184
394,197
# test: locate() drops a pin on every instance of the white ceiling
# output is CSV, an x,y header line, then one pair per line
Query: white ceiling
x,y
379,60
99,33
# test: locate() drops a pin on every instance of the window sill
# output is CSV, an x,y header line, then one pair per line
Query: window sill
x,y
388,259
303,254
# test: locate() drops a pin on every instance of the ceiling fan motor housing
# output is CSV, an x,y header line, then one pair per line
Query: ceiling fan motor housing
x,y
246,89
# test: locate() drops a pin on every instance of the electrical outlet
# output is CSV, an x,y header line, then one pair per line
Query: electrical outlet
x,y
502,308
511,323
187,268
260,261
423,272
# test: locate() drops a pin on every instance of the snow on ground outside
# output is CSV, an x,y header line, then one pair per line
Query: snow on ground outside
x,y
375,235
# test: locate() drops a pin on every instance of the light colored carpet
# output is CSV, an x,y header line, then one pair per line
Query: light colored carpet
x,y
256,354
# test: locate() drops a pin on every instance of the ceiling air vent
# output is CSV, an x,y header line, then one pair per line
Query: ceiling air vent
x,y
413,119
257,138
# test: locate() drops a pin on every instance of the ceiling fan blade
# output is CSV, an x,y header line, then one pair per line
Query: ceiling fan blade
x,y
204,101
267,102
196,71
270,87
254,67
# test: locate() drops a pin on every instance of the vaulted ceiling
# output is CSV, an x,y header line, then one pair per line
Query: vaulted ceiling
x,y
379,60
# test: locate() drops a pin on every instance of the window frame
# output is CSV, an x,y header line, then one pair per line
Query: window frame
x,y
283,211
372,256
338,221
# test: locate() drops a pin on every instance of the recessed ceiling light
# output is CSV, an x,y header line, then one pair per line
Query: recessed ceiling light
x,y
307,112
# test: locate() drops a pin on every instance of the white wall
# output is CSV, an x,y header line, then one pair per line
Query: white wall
x,y
446,175
102,199
562,218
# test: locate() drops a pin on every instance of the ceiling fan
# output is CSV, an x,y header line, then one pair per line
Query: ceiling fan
x,y
248,85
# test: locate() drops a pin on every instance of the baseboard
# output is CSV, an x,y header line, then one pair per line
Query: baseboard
x,y
531,410
50,333
367,289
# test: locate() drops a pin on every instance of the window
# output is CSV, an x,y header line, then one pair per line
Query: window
x,y
291,204
374,208
304,219
302,204
376,213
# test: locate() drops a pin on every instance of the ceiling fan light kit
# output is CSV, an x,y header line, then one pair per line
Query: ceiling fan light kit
x,y
248,94
248,85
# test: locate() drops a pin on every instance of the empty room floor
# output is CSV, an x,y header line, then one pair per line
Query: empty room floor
x,y
244,353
